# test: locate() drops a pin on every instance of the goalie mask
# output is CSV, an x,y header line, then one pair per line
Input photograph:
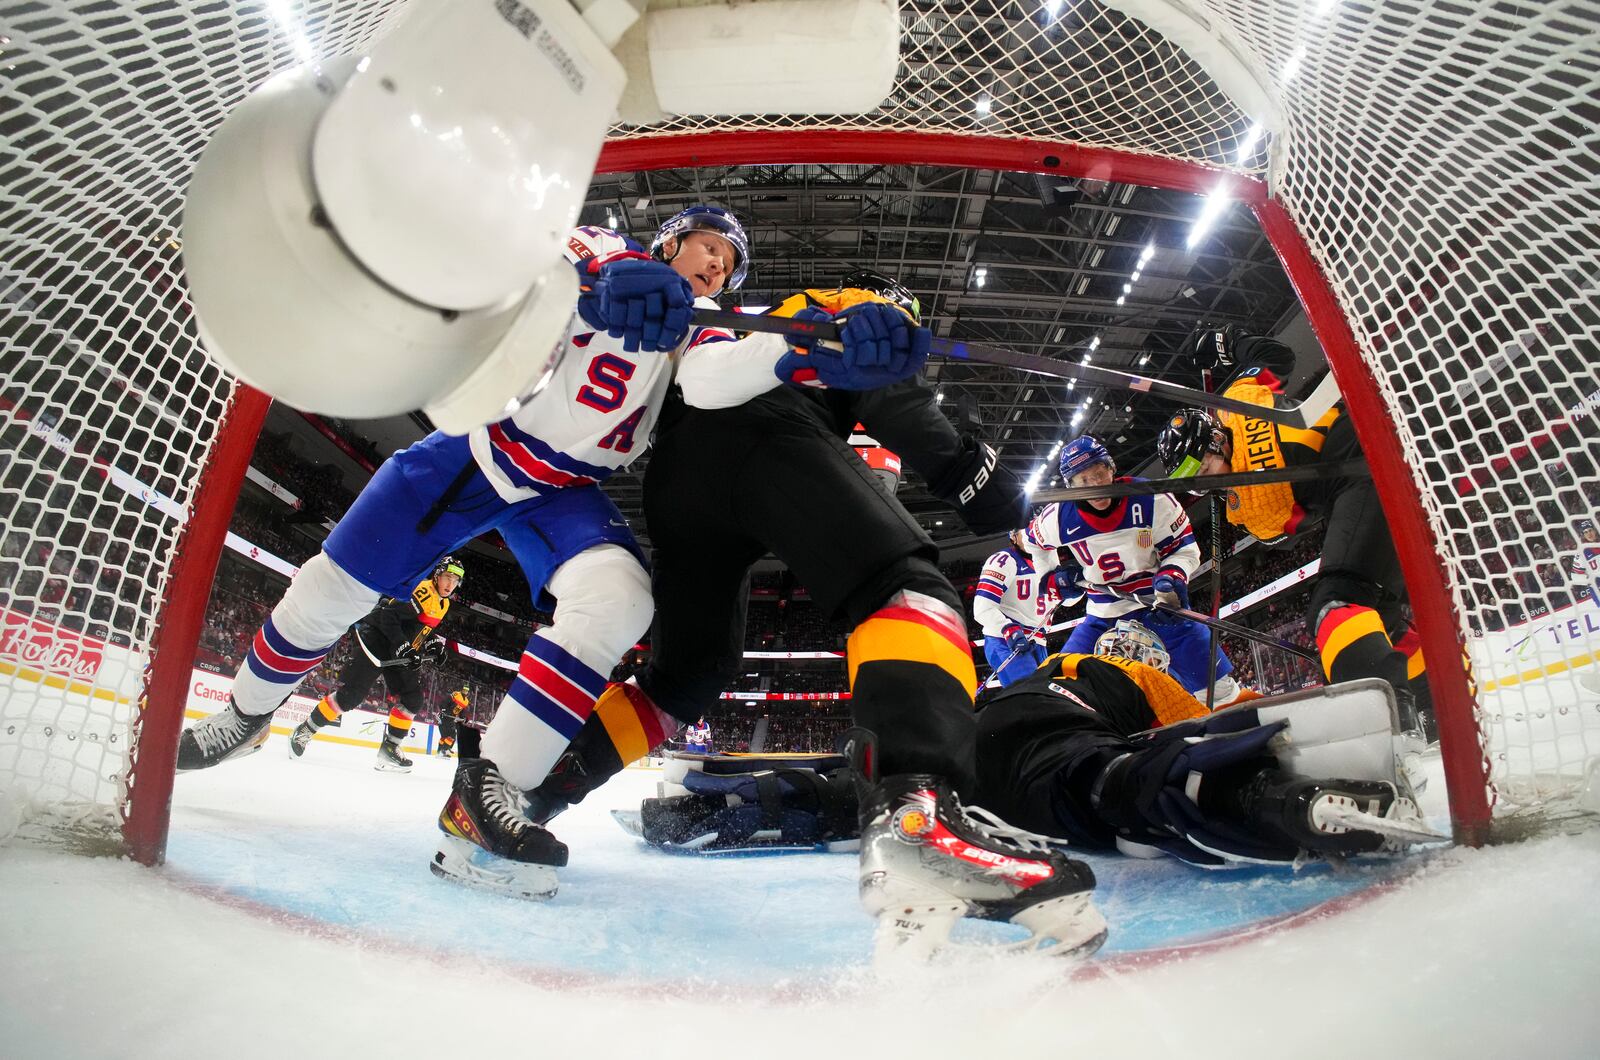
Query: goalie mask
x,y
1188,436
1134,641
713,219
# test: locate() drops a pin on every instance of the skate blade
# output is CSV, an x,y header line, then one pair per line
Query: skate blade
x,y
1065,928
913,934
385,767
1401,826
467,863
242,751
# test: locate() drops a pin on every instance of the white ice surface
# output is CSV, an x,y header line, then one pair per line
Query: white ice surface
x,y
296,917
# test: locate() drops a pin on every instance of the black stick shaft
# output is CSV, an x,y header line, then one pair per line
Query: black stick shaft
x,y
1217,518
977,353
1202,483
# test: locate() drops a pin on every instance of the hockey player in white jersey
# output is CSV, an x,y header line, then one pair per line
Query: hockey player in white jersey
x,y
1014,601
1125,551
533,477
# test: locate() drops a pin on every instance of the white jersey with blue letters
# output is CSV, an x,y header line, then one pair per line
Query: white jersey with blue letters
x,y
1015,591
598,410
1122,550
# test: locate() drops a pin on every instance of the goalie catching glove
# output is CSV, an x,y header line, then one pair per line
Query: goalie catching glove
x,y
879,345
740,805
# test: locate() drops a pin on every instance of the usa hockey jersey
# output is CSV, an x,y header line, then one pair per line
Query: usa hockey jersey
x,y
598,410
1015,592
1123,550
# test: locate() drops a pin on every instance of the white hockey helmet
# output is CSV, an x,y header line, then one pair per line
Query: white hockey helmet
x,y
1133,640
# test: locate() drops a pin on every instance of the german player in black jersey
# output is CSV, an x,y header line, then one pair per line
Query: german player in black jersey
x,y
1355,608
391,642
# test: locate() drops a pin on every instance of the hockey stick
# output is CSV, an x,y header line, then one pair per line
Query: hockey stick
x,y
1217,624
1217,518
1224,626
995,673
1201,483
1298,414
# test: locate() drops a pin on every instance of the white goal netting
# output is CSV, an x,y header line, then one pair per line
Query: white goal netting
x,y
1438,161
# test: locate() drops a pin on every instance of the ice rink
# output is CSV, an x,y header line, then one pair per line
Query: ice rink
x,y
296,915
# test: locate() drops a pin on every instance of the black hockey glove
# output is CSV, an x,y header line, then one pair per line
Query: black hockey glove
x,y
989,497
1211,345
780,808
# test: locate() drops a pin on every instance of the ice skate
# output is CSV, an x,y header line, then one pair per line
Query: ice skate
x,y
488,841
926,863
390,760
1338,817
224,735
300,738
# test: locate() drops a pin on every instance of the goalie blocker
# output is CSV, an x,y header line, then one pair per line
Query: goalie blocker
x,y
1312,773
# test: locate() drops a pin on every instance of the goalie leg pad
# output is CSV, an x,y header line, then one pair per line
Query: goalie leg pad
x,y
1242,784
781,808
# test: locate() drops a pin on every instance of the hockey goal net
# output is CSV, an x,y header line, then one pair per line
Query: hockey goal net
x,y
1427,173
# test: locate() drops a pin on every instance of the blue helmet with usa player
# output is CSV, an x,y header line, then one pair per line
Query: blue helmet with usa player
x,y
713,219
1082,453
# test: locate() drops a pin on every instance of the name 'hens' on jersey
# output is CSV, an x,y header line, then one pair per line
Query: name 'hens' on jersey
x,y
1015,591
597,411
1121,550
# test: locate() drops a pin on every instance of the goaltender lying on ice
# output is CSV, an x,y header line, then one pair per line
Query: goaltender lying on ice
x,y
1069,753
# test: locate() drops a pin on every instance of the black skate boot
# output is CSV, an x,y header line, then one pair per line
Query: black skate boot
x,y
224,735
300,738
588,762
390,760
489,842
1321,815
926,862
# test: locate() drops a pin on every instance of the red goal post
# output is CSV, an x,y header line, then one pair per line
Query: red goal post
x,y
1426,173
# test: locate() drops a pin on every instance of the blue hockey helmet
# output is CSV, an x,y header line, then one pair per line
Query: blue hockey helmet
x,y
1080,454
712,219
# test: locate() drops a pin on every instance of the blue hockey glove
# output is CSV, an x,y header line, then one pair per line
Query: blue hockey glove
x,y
637,299
880,346
1018,641
1067,581
1171,588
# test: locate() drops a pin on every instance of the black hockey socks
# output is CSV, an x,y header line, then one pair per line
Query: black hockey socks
x,y
625,726
911,684
325,713
1353,643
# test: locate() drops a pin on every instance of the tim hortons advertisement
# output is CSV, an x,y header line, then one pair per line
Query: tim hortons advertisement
x,y
49,649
